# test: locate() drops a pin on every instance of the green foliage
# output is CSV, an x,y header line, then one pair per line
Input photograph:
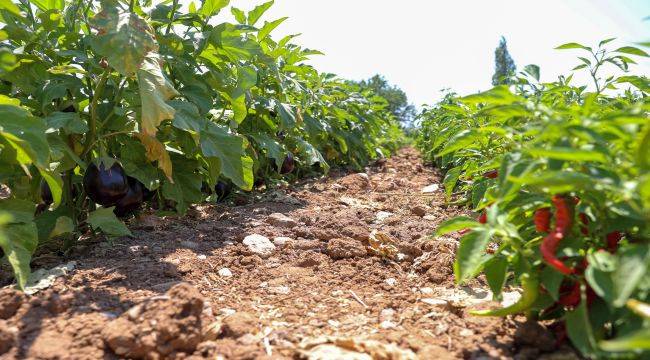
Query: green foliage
x,y
504,66
512,150
180,100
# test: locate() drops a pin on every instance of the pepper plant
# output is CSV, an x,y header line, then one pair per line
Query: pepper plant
x,y
105,104
560,176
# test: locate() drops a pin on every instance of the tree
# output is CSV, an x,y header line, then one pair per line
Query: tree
x,y
398,103
504,66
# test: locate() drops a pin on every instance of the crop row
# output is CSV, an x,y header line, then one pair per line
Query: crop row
x,y
559,175
105,105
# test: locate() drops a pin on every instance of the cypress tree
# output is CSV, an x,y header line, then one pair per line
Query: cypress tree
x,y
504,66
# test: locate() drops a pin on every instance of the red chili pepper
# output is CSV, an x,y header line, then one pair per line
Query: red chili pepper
x,y
542,219
492,174
563,215
585,221
612,240
549,247
563,223
482,218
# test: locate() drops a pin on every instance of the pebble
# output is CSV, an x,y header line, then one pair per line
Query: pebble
x,y
391,281
225,272
426,290
430,189
429,217
139,249
281,220
382,215
227,311
466,332
386,317
259,245
435,302
419,210
281,241
387,325
281,290
201,257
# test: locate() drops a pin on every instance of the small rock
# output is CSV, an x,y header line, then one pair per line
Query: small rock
x,y
429,217
280,290
201,257
382,215
311,259
466,333
387,314
305,244
356,181
419,210
259,245
430,189
426,290
227,311
225,272
281,241
139,249
238,325
281,220
435,302
345,248
391,281
387,325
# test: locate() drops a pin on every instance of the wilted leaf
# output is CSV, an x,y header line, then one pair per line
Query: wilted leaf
x,y
155,89
156,152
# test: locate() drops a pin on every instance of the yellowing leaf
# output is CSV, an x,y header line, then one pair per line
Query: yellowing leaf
x,y
156,152
155,89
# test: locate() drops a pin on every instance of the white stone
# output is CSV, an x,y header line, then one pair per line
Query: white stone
x,y
382,215
391,281
281,290
259,245
466,332
430,188
227,311
435,302
281,241
387,325
225,272
201,257
426,290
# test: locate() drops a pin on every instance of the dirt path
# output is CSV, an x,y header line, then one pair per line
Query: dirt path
x,y
316,282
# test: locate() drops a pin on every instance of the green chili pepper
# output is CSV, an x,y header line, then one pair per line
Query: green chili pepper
x,y
530,284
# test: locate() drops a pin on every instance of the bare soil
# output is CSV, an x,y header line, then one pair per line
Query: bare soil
x,y
328,288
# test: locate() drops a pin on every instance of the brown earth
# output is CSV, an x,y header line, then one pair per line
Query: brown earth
x,y
326,286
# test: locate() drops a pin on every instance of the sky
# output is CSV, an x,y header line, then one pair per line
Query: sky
x,y
424,46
